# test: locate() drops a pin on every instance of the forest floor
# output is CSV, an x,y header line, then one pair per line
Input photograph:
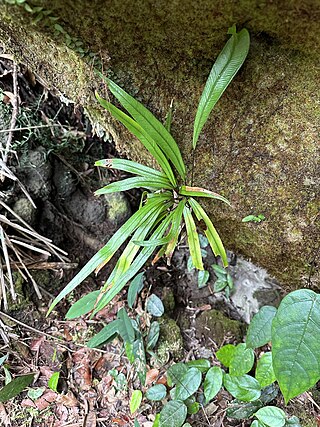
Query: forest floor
x,y
52,151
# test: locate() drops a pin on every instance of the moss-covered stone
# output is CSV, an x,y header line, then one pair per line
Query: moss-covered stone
x,y
170,342
168,300
260,148
214,326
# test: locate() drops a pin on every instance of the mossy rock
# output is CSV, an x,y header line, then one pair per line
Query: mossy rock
x,y
213,325
170,343
260,148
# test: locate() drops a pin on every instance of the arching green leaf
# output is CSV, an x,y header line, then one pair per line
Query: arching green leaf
x,y
223,71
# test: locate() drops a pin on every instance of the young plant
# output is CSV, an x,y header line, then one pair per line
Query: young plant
x,y
169,205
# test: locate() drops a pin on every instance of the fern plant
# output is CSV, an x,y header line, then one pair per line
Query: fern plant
x,y
168,205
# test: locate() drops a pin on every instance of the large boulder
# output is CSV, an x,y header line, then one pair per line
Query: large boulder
x,y
261,146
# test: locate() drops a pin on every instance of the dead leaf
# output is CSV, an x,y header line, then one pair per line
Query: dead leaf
x,y
82,370
162,380
46,399
69,400
151,376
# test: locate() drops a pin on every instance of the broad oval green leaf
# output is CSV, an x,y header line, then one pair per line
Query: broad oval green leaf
x,y
173,414
271,416
264,371
188,384
135,287
203,277
106,334
225,354
295,342
135,401
83,306
155,306
175,373
157,392
245,388
15,387
212,383
202,364
242,360
259,330
223,71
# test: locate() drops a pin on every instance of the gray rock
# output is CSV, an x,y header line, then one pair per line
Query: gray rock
x,y
25,210
63,180
118,208
86,209
36,173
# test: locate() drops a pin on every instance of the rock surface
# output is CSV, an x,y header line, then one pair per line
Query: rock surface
x,y
260,147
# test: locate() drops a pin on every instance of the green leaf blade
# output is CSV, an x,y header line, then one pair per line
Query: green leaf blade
x,y
83,306
135,182
188,384
142,135
173,414
151,125
264,371
135,401
295,342
15,387
259,330
223,71
106,334
212,383
131,167
244,388
242,360
271,416
156,393
211,233
193,239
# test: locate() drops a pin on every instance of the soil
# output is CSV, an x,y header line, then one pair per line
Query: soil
x,y
55,164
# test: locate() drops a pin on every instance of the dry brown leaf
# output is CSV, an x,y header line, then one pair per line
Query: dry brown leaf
x,y
69,400
162,380
82,370
46,399
151,376
36,343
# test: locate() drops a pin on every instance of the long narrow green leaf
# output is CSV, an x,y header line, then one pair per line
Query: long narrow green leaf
x,y
132,248
106,253
175,220
223,71
193,239
185,190
211,233
142,135
141,259
131,167
135,182
151,125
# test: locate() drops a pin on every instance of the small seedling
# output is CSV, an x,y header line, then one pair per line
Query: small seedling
x,y
253,218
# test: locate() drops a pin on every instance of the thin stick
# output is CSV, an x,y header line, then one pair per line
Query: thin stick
x,y
3,288
7,261
29,127
30,328
15,110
